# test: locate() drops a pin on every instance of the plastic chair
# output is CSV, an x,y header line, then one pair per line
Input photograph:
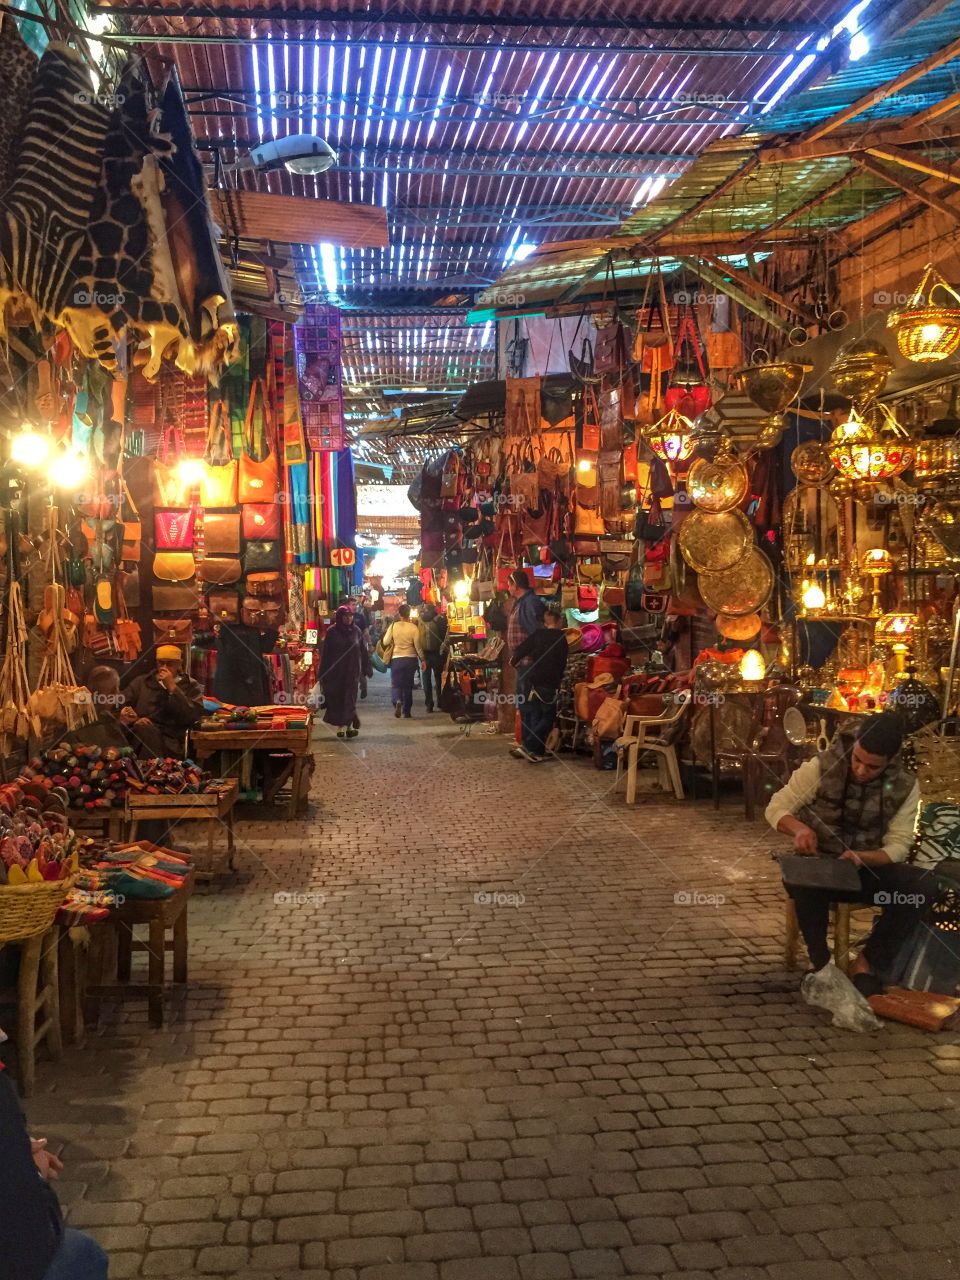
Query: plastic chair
x,y
657,734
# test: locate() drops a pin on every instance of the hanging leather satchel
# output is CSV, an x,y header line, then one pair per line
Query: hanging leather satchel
x,y
224,606
262,520
170,489
132,531
174,529
259,481
221,533
174,566
219,479
262,556
688,392
269,585
181,598
219,569
173,631
262,613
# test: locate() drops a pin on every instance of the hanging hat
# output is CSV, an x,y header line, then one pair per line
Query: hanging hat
x,y
603,680
169,653
574,639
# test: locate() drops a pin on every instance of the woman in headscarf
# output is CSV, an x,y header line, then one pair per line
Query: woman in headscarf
x,y
343,660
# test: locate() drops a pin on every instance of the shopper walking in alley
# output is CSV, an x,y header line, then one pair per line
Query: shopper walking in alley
x,y
343,660
402,643
546,652
433,632
526,614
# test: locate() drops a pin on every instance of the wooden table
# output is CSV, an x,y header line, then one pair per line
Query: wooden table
x,y
238,745
159,915
213,806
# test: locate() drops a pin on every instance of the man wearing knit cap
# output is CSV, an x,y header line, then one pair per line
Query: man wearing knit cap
x,y
166,698
856,802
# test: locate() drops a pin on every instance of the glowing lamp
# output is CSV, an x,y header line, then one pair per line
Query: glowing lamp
x,y
927,330
190,472
29,448
752,665
461,589
69,470
671,438
861,451
813,598
584,465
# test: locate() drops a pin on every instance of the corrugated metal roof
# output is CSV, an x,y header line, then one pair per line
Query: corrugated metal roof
x,y
494,124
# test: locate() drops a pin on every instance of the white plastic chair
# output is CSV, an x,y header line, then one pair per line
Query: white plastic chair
x,y
652,733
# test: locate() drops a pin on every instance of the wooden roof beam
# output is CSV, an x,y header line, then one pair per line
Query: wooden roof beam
x,y
868,100
747,167
751,285
911,188
908,161
719,280
757,238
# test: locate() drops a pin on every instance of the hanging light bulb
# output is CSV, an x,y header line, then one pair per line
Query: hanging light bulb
x,y
461,589
752,665
30,448
69,470
813,598
190,472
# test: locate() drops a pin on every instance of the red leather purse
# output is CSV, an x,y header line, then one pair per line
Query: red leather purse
x,y
262,521
174,530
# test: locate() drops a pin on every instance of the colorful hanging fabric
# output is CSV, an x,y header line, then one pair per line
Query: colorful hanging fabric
x,y
317,342
335,504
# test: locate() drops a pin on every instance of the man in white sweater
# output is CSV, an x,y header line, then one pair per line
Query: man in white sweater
x,y
858,803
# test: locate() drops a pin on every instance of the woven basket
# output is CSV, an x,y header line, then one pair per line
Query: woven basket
x,y
29,909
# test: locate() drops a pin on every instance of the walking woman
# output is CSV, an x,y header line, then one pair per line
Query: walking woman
x,y
343,660
403,639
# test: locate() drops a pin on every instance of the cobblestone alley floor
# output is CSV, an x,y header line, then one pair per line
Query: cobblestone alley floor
x,y
516,1031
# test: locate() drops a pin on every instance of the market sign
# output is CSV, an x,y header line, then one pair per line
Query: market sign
x,y
384,500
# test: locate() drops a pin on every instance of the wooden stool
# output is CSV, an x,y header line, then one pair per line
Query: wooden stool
x,y
159,915
38,1003
841,935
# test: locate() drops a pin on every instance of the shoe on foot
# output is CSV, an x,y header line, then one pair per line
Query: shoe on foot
x,y
397,710
829,989
534,758
518,753
341,733
352,733
408,715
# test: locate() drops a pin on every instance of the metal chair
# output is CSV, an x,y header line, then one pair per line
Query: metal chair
x,y
657,734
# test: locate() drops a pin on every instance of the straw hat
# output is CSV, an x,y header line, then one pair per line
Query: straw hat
x,y
574,639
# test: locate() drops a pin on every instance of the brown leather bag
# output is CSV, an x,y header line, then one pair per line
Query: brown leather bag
x,y
221,533
262,613
181,598
219,569
174,566
258,480
265,584
218,480
172,631
224,606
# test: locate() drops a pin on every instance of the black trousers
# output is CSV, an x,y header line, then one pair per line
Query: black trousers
x,y
435,664
902,892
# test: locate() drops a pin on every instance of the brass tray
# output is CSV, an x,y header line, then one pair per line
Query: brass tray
x,y
719,485
711,542
742,628
744,589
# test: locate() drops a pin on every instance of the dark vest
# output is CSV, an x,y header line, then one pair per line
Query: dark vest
x,y
847,814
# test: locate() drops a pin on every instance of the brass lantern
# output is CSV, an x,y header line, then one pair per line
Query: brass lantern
x,y
925,331
671,438
870,447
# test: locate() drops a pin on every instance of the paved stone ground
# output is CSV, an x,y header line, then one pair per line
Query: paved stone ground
x,y
409,1078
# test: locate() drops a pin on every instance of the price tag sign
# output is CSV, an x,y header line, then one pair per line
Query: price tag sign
x,y
312,635
343,557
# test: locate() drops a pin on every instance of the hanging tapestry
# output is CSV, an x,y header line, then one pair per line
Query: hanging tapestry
x,y
317,339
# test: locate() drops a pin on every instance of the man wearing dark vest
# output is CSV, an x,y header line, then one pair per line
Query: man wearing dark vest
x,y
855,801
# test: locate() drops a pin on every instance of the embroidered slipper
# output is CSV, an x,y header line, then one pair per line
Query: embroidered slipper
x,y
103,602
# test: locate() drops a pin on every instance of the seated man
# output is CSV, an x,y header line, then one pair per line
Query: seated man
x,y
109,730
855,801
34,1243
166,700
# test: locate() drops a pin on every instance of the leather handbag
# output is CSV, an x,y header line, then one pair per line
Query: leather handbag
x,y
262,613
219,478
132,531
219,569
174,566
589,521
181,598
588,597
172,631
224,606
258,480
262,520
265,584
261,556
170,490
221,533
174,529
